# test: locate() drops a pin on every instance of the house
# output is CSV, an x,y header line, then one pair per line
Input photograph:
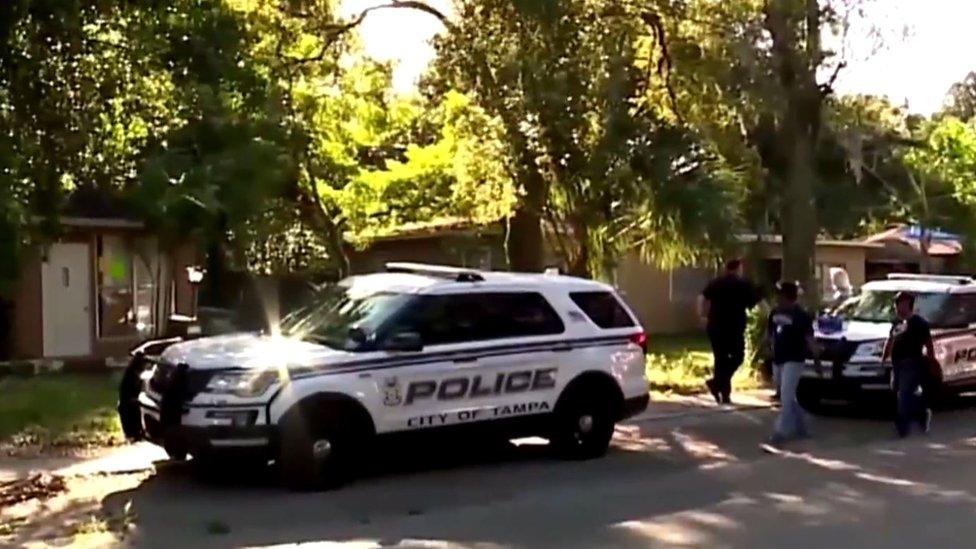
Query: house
x,y
663,299
101,288
666,299
901,251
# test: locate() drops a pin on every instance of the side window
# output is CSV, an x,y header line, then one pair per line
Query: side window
x,y
960,311
459,318
603,309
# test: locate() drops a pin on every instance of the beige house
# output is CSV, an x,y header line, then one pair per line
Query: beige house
x,y
666,299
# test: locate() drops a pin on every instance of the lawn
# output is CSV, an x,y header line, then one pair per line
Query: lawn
x,y
682,363
62,410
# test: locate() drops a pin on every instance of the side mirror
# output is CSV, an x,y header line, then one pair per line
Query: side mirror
x,y
357,336
404,342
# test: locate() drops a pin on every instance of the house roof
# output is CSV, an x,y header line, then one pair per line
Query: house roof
x,y
438,227
942,244
778,239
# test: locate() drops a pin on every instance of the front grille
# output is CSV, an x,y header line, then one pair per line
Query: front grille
x,y
836,351
164,376
176,384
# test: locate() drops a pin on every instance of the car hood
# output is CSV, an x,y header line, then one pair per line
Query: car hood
x,y
857,330
250,351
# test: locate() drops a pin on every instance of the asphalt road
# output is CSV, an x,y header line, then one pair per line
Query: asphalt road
x,y
697,480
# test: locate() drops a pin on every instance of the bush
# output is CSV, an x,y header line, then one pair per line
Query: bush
x,y
755,334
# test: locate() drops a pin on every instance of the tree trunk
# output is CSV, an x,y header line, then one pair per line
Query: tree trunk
x,y
799,132
799,220
525,250
524,240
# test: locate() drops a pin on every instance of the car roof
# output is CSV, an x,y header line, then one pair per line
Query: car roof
x,y
437,283
921,284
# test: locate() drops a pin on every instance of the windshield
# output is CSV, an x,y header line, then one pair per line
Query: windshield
x,y
333,315
879,306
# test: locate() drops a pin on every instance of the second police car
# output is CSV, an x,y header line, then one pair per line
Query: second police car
x,y
416,349
851,363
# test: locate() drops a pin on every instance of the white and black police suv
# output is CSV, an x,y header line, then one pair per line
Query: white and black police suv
x,y
850,365
417,349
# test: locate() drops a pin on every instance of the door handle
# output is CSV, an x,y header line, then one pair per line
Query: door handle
x,y
465,360
562,349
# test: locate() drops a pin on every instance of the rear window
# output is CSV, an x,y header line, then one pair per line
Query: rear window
x,y
603,309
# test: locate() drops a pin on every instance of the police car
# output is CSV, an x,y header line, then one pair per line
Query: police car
x,y
416,349
850,365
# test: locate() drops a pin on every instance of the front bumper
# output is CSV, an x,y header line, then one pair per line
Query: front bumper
x,y
846,380
207,430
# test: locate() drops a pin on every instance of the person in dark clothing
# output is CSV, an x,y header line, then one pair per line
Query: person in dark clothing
x,y
722,306
789,334
910,337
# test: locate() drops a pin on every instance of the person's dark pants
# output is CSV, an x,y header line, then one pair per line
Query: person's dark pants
x,y
728,349
908,380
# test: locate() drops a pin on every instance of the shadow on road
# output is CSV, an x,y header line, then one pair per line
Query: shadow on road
x,y
690,482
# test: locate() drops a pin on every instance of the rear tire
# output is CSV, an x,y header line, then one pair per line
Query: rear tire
x,y
319,456
584,424
809,400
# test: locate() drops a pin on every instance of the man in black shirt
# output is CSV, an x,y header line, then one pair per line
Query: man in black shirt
x,y
722,306
789,331
910,336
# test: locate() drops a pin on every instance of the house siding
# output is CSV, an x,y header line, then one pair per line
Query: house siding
x,y
27,339
487,251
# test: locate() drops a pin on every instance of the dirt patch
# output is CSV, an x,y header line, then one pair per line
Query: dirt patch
x,y
73,516
37,486
36,442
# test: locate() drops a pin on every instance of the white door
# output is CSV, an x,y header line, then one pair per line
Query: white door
x,y
66,283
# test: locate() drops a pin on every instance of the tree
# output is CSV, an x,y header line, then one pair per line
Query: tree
x,y
960,100
942,171
603,174
754,77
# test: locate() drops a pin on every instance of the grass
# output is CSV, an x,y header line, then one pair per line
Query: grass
x,y
681,364
72,410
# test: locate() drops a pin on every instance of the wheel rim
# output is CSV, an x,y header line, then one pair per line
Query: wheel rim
x,y
585,424
321,449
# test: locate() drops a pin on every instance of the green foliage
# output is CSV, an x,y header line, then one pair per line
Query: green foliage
x,y
460,174
756,323
607,175
941,174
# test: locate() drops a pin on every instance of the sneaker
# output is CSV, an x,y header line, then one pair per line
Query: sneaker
x,y
714,391
775,442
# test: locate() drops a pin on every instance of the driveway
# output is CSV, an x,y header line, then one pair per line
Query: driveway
x,y
691,476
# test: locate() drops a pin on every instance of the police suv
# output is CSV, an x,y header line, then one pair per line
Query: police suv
x,y
416,349
850,364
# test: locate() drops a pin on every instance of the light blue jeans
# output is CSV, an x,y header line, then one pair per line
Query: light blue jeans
x,y
790,422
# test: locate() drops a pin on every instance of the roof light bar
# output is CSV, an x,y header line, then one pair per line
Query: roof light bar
x,y
439,271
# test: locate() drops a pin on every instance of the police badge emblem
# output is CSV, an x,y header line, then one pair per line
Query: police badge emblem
x,y
391,392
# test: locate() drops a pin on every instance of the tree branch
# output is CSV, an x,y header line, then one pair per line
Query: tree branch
x,y
665,63
828,88
333,32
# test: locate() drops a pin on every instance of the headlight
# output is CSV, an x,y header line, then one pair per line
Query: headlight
x,y
870,349
243,383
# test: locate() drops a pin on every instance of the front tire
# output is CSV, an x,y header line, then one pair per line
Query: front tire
x,y
584,424
318,457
